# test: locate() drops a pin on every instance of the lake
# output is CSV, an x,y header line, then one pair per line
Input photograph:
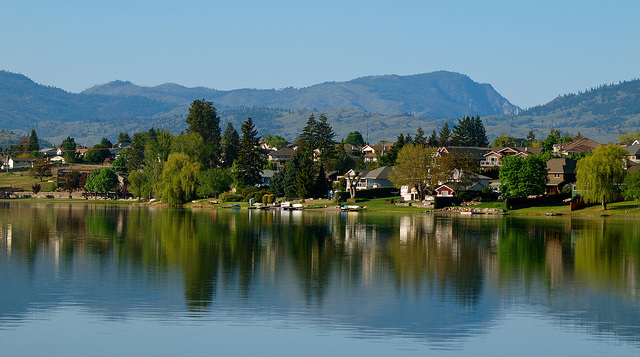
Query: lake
x,y
116,280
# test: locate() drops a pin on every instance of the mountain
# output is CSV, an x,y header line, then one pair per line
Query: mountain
x,y
432,95
602,113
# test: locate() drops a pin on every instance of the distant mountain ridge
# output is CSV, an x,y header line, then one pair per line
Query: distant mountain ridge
x,y
433,95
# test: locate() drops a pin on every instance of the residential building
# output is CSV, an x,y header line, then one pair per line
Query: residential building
x,y
18,163
581,145
561,171
371,152
633,151
493,158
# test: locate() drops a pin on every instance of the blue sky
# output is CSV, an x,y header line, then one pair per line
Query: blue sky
x,y
530,51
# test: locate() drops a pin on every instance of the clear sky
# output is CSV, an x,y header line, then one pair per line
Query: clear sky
x,y
530,51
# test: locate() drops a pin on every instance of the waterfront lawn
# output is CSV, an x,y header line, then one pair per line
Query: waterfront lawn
x,y
383,205
624,208
22,180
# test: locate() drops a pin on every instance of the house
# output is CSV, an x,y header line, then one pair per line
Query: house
x,y
371,152
633,151
376,178
18,163
280,156
444,191
582,145
48,151
351,176
493,158
477,153
561,171
408,194
266,176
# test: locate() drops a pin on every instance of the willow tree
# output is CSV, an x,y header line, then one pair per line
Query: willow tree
x,y
415,168
599,175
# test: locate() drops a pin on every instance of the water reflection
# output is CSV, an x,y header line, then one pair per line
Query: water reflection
x,y
428,276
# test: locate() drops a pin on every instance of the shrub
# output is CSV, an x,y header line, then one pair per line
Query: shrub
x,y
257,197
464,196
230,197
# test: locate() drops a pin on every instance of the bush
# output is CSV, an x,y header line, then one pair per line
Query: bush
x,y
230,197
464,196
257,197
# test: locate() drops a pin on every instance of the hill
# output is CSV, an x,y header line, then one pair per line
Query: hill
x,y
601,113
432,95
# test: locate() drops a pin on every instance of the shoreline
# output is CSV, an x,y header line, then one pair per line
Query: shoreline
x,y
628,209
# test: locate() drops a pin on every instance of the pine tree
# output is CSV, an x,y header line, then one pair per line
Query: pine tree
x,y
290,173
420,139
305,175
479,132
321,186
463,133
230,146
433,139
444,137
325,143
250,161
33,145
308,136
204,120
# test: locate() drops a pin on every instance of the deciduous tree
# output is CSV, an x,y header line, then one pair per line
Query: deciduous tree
x,y
414,167
599,174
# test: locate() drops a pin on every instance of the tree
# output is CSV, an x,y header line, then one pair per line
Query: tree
x,y
214,181
308,136
462,134
631,186
420,139
97,153
325,142
276,184
103,180
290,172
35,188
105,143
276,141
204,120
444,137
230,146
504,140
433,139
157,150
414,167
139,184
68,146
32,144
321,186
354,138
521,177
190,144
390,158
74,180
306,173
179,179
40,170
124,138
598,175
457,167
250,161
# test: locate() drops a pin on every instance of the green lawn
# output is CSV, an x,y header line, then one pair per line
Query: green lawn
x,y
625,208
22,180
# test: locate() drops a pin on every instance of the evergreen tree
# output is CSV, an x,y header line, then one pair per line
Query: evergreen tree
x,y
124,138
230,146
308,136
290,172
354,138
105,143
390,158
479,132
463,133
444,137
433,139
276,184
322,185
204,120
250,161
305,175
33,144
420,139
325,143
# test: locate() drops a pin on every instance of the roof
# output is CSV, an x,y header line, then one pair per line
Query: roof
x,y
476,152
267,173
580,145
516,149
561,165
633,149
283,152
23,159
381,173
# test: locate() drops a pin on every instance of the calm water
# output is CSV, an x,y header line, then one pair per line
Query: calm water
x,y
78,280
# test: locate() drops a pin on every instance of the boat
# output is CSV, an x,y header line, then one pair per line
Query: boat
x,y
468,213
352,208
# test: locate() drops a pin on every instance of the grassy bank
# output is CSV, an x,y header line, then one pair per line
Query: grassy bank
x,y
625,208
